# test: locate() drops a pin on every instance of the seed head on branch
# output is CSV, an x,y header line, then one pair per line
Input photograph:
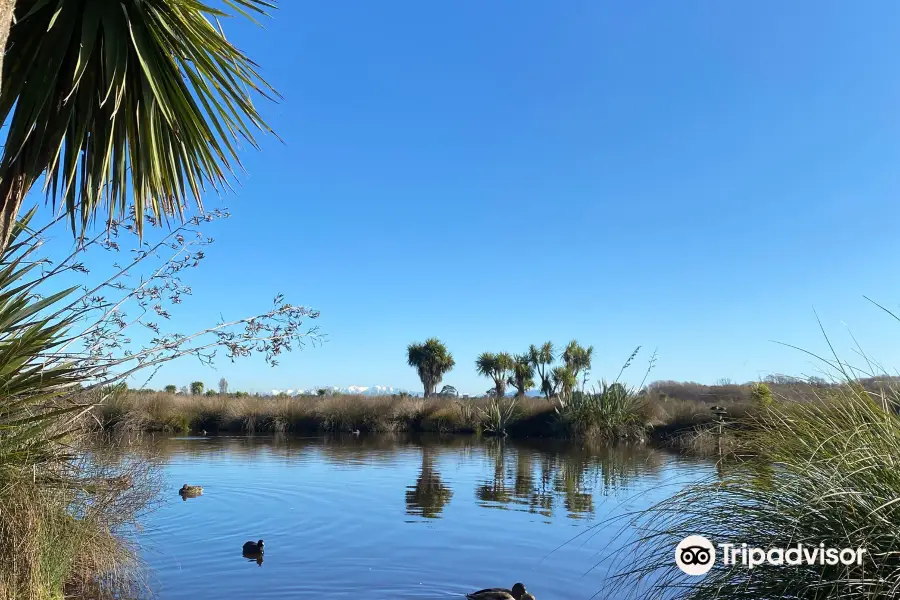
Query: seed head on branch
x,y
140,294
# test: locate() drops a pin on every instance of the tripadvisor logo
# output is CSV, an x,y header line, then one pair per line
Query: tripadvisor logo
x,y
695,555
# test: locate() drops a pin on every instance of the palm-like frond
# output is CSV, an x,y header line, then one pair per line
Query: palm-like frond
x,y
522,377
547,354
486,364
563,379
505,361
139,98
577,357
33,380
498,415
497,367
541,359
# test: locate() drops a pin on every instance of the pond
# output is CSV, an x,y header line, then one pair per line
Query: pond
x,y
396,517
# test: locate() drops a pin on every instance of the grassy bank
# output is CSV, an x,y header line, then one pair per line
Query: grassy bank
x,y
160,411
673,413
816,472
609,414
67,540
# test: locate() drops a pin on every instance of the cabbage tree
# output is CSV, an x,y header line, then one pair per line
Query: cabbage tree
x,y
496,366
432,361
123,104
541,359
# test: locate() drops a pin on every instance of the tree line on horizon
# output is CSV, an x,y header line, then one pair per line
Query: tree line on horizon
x,y
535,368
433,361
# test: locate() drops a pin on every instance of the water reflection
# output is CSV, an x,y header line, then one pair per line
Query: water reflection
x,y
535,480
533,476
428,497
339,508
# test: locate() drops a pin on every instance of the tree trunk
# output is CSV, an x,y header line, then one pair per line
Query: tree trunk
x,y
13,194
7,7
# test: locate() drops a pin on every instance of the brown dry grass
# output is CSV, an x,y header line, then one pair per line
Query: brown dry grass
x,y
61,533
158,411
668,417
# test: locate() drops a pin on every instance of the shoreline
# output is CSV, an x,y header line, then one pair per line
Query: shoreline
x,y
660,422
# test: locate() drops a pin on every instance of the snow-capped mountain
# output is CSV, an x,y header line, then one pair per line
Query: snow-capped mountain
x,y
372,390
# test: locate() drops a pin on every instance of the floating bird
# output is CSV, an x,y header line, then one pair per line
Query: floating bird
x,y
254,551
190,491
516,593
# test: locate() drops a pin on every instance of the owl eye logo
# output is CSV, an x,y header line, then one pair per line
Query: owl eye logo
x,y
695,555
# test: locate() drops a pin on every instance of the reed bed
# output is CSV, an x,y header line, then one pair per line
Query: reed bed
x,y
611,414
160,411
65,534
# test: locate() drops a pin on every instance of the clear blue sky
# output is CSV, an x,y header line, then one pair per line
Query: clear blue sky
x,y
693,177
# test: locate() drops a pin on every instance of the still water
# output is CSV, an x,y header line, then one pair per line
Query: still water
x,y
396,517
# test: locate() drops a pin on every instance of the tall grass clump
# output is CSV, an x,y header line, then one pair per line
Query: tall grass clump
x,y
614,411
826,471
498,414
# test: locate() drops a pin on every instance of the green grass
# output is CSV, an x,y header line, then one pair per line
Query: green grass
x,y
823,471
612,413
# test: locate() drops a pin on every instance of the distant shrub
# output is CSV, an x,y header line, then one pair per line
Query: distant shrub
x,y
448,391
761,395
197,388
171,389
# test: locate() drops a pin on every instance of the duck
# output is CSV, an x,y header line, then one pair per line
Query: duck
x,y
516,593
190,490
253,547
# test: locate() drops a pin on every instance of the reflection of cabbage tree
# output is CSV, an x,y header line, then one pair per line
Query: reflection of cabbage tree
x,y
538,496
496,489
621,465
580,474
569,481
429,496
524,474
542,498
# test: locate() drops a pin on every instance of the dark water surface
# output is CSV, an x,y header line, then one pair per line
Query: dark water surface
x,y
395,517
